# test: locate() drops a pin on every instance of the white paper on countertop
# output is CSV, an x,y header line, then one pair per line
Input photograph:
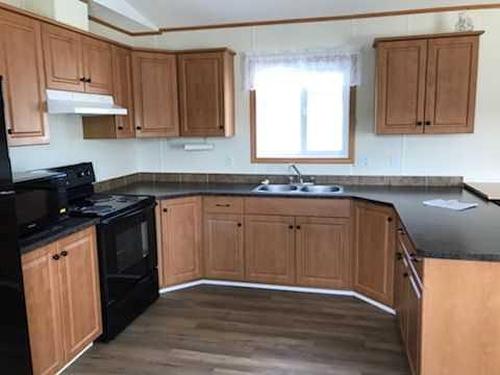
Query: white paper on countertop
x,y
452,204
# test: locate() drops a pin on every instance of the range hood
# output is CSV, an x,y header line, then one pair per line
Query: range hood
x,y
67,102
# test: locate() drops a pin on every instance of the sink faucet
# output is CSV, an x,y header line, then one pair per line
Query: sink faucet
x,y
295,169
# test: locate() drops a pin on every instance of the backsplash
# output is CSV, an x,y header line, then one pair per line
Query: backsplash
x,y
221,178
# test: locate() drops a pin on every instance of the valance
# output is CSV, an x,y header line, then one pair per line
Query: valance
x,y
347,63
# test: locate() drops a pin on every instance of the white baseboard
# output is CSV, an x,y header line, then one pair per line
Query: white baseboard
x,y
286,288
75,359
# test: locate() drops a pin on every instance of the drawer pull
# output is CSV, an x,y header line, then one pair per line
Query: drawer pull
x,y
165,210
290,227
222,205
56,257
240,225
64,253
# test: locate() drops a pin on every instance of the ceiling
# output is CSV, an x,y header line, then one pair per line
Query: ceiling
x,y
187,13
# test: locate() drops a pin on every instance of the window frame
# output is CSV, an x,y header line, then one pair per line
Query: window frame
x,y
302,160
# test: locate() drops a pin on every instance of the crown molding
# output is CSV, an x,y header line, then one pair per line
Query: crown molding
x,y
344,17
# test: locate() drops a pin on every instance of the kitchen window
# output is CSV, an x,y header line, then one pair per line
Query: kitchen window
x,y
302,107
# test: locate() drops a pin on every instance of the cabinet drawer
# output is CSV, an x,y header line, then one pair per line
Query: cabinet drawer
x,y
298,207
223,205
415,263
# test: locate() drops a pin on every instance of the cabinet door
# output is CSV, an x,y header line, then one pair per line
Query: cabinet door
x,y
122,88
451,85
223,242
97,64
63,59
181,242
81,302
270,249
201,93
323,252
155,94
400,97
375,239
21,66
42,293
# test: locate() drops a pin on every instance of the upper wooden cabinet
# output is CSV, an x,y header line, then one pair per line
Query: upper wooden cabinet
x,y
155,94
206,93
21,66
426,84
116,127
97,63
61,283
374,251
75,62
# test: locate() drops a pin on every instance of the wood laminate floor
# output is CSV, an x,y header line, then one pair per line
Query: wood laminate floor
x,y
219,330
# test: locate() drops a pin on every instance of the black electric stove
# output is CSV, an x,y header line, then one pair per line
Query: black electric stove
x,y
126,243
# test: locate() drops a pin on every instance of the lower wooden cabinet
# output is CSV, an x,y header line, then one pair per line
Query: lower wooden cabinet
x,y
61,284
323,250
374,249
408,301
223,246
181,240
270,249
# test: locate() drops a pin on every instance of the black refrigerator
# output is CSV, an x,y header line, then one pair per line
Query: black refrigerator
x,y
15,355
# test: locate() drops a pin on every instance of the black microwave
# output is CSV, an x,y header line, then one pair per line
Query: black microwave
x,y
41,200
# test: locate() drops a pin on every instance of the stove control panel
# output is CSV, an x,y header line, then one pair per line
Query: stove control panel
x,y
78,174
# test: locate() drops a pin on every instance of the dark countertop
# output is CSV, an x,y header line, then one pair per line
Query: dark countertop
x,y
55,232
436,233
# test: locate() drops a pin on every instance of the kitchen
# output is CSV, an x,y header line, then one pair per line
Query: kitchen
x,y
259,189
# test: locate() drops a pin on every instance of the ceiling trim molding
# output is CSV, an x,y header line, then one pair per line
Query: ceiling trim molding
x,y
344,17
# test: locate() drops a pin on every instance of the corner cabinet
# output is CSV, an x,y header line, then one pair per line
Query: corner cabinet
x,y
155,94
374,251
21,66
180,240
206,93
61,283
426,84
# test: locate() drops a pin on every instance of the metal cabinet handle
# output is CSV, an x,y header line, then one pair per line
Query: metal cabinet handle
x,y
420,123
83,79
240,225
428,123
56,257
299,227
290,227
222,205
165,210
9,131
64,253
88,80
138,127
120,128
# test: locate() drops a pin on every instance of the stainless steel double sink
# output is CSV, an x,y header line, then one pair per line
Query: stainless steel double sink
x,y
298,189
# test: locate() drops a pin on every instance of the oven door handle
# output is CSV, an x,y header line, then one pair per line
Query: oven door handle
x,y
125,216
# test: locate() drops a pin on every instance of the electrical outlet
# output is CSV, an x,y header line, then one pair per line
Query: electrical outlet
x,y
229,161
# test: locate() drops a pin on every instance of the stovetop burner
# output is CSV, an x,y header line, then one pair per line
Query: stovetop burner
x,y
103,205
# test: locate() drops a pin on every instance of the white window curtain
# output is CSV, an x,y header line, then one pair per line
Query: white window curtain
x,y
317,61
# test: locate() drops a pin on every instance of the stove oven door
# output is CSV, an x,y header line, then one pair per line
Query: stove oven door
x,y
127,252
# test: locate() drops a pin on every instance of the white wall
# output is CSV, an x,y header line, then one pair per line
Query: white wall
x,y
67,146
473,156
